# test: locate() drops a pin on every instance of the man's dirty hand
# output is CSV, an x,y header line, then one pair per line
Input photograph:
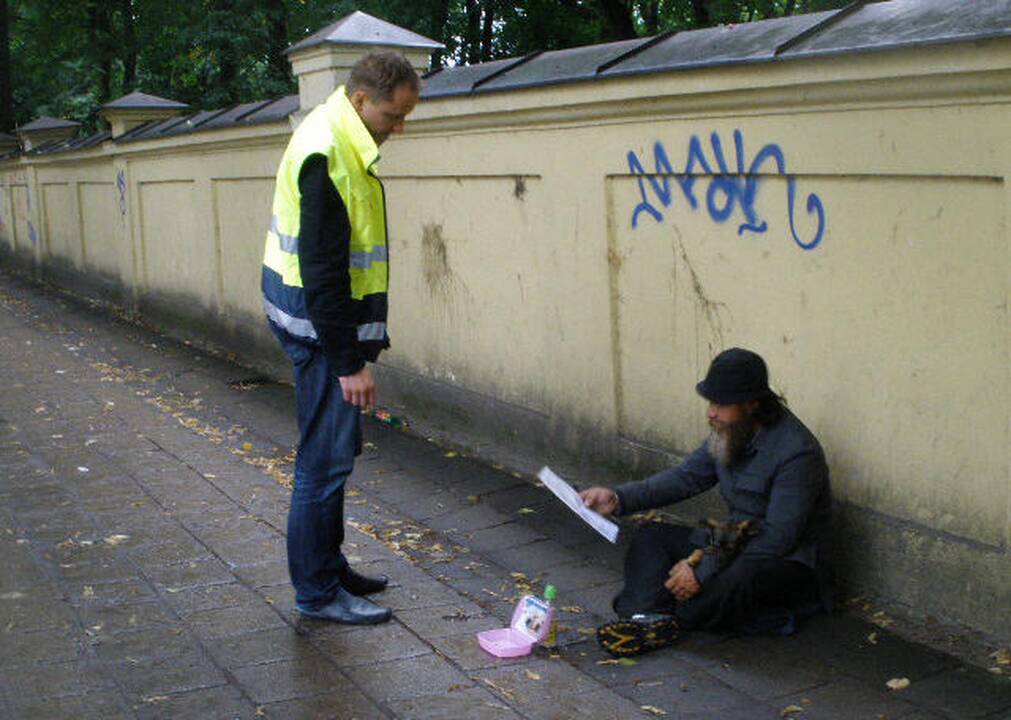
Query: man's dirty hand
x,y
682,583
600,499
359,389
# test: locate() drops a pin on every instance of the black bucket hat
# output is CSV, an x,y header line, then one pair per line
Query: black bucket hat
x,y
735,375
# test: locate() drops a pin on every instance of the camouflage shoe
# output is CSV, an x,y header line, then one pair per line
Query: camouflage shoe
x,y
638,634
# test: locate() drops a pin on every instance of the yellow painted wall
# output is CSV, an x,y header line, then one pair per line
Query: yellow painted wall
x,y
519,278
103,230
62,227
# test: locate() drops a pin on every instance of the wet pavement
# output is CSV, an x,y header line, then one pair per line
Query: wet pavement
x,y
142,567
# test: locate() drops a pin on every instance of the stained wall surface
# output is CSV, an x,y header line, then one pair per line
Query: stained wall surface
x,y
565,261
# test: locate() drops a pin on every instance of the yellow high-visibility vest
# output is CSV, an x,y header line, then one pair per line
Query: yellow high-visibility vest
x,y
334,130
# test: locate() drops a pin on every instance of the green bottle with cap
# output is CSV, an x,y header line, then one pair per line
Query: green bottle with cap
x,y
551,639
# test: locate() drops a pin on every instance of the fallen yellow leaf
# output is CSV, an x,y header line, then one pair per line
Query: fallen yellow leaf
x,y
791,710
653,710
532,675
898,683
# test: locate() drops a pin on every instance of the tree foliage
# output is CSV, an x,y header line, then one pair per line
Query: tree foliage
x,y
66,59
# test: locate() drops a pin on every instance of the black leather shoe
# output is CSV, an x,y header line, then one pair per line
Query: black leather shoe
x,y
358,584
349,609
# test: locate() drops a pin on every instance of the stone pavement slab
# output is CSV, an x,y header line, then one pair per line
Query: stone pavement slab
x,y
143,497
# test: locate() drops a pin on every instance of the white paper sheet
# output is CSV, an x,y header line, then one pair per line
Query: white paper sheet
x,y
567,494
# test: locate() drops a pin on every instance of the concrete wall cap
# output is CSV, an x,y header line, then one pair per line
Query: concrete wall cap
x,y
857,29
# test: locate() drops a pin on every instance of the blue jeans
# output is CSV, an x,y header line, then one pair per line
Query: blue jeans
x,y
329,439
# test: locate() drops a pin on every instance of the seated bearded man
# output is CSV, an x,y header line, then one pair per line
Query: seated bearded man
x,y
773,478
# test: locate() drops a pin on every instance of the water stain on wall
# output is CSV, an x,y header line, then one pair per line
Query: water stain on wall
x,y
439,277
709,319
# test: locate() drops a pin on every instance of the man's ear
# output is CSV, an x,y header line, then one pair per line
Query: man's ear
x,y
358,98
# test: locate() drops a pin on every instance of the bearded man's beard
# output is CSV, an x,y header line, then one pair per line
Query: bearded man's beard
x,y
726,445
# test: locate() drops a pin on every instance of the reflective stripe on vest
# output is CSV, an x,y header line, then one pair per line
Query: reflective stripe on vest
x,y
361,260
298,327
289,243
364,260
372,331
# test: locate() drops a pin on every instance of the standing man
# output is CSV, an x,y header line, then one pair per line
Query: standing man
x,y
772,475
325,278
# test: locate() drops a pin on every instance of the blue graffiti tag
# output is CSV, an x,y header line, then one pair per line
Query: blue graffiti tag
x,y
121,186
725,191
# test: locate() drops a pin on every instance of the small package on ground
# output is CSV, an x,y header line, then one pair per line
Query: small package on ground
x,y
530,624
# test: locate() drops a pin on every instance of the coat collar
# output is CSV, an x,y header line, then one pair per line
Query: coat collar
x,y
344,119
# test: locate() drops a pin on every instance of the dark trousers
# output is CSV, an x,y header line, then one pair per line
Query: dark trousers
x,y
742,592
329,439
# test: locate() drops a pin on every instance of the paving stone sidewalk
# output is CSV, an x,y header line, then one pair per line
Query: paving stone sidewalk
x,y
142,570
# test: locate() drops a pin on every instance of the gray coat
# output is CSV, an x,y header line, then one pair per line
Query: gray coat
x,y
781,484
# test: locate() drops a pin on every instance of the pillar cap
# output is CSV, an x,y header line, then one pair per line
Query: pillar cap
x,y
45,131
137,108
360,28
46,123
142,101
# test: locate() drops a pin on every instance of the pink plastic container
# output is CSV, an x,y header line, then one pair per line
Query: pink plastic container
x,y
530,624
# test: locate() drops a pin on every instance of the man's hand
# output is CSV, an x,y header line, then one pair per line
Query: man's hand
x,y
359,389
601,499
682,583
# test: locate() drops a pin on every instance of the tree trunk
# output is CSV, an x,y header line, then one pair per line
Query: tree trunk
x,y
99,31
6,91
129,47
650,12
617,16
487,31
225,52
700,11
277,33
440,29
791,7
472,41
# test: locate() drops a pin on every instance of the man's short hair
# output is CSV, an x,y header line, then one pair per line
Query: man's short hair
x,y
380,73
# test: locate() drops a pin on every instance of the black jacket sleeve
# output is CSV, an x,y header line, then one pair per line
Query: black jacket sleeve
x,y
324,252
